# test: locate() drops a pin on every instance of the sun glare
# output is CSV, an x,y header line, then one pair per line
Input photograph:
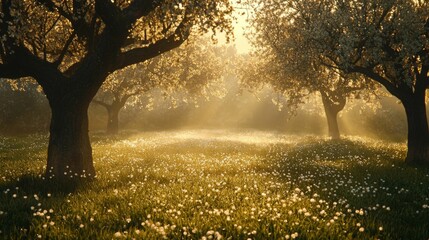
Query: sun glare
x,y
241,26
241,42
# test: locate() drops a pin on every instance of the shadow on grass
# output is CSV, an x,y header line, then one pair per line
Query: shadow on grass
x,y
32,183
24,199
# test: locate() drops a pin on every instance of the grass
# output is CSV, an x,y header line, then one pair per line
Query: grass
x,y
217,184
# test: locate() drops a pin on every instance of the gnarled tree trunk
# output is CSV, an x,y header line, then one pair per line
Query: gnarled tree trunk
x,y
69,150
418,132
332,109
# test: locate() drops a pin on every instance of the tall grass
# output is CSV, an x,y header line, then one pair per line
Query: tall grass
x,y
217,184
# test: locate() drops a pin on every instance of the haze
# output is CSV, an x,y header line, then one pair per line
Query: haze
x,y
131,119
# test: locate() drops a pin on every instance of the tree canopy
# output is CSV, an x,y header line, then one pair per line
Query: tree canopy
x,y
61,35
282,61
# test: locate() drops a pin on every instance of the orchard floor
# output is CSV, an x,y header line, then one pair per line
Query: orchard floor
x,y
217,184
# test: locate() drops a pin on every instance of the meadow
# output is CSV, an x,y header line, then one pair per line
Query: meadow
x,y
217,184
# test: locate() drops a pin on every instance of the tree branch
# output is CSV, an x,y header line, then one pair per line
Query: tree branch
x,y
2,50
25,64
383,15
383,81
11,71
108,12
51,6
101,103
142,54
140,8
64,50
125,98
78,22
52,25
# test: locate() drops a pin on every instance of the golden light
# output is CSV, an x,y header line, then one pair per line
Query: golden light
x,y
240,27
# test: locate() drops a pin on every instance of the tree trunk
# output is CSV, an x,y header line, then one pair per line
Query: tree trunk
x,y
113,120
69,150
331,111
418,132
331,117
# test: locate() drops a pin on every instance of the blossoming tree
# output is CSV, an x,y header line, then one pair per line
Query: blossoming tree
x,y
281,61
195,67
70,47
387,41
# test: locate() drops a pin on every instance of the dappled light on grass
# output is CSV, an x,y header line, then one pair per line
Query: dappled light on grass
x,y
156,139
241,137
214,184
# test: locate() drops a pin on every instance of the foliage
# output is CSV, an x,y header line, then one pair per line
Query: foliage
x,y
195,67
386,41
23,108
283,61
208,184
64,32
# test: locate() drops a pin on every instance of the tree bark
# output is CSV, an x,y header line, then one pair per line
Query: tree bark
x,y
331,111
69,150
418,132
331,117
113,120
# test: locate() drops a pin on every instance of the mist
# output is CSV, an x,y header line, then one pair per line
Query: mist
x,y
238,109
241,109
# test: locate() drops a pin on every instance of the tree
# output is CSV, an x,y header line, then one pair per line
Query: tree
x,y
386,41
287,66
70,47
193,67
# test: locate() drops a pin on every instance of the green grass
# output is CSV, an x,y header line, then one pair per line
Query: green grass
x,y
217,184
